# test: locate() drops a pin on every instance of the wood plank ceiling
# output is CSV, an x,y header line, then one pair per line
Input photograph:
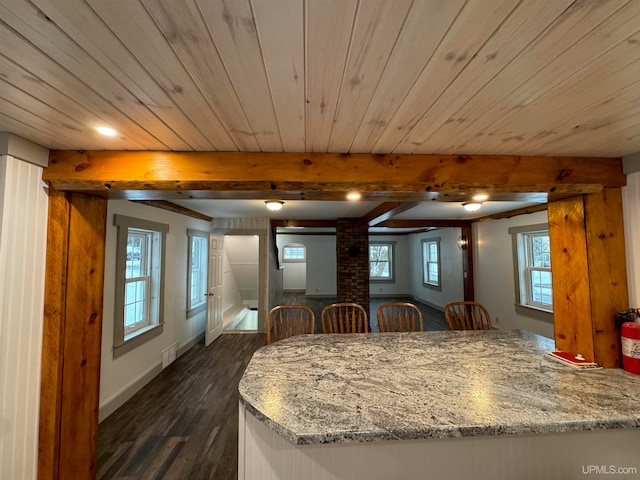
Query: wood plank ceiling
x,y
515,77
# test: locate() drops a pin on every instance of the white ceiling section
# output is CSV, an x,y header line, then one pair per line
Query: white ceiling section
x,y
516,77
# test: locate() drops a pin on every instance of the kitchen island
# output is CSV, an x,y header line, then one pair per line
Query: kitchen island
x,y
432,405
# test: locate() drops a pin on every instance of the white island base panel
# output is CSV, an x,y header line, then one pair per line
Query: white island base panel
x,y
265,455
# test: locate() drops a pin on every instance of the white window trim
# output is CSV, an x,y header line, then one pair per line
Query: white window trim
x,y
434,286
521,307
122,342
191,312
294,260
392,263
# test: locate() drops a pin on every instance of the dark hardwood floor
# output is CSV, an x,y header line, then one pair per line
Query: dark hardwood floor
x,y
184,423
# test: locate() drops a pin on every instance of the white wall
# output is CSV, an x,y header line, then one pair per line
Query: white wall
x,y
631,209
294,276
451,263
23,232
243,257
494,273
231,298
122,377
321,262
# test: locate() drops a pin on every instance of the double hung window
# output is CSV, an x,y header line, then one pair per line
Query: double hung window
x,y
381,256
532,265
197,271
138,309
431,262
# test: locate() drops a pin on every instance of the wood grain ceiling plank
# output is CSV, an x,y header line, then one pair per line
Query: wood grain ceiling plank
x,y
613,128
69,119
524,24
29,132
579,36
378,24
328,31
183,26
233,29
469,32
280,25
43,33
606,86
133,26
424,28
80,22
31,111
43,70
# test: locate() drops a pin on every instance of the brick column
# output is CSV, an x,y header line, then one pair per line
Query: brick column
x,y
352,252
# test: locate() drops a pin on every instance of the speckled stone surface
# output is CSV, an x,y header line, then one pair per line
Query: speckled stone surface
x,y
317,389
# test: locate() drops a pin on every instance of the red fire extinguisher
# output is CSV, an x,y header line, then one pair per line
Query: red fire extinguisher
x,y
631,344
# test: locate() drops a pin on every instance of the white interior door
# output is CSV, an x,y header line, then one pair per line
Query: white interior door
x,y
214,297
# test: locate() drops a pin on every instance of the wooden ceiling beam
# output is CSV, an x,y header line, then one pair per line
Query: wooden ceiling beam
x,y
304,223
390,177
385,211
440,223
175,208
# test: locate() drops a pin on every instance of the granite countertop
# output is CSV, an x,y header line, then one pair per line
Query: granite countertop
x,y
314,389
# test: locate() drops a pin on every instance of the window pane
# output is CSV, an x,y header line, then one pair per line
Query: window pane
x,y
433,273
541,287
378,252
433,252
135,302
379,269
540,251
291,252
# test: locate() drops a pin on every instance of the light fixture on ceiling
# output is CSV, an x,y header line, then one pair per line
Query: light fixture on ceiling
x,y
480,197
274,205
106,131
463,242
472,206
353,196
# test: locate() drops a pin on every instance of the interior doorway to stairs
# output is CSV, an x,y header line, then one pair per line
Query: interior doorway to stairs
x,y
241,287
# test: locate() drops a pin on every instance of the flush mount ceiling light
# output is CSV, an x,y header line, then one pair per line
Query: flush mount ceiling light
x,y
353,196
472,206
106,131
480,197
274,205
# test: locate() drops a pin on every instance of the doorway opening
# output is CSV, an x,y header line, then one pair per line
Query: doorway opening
x,y
240,283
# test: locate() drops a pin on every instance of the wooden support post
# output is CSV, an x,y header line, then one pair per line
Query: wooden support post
x,y
589,274
72,336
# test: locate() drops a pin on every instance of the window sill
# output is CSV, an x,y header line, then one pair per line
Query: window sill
x,y
137,338
196,310
534,312
431,286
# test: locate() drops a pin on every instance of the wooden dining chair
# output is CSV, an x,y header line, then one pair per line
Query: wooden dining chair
x,y
286,321
467,316
399,317
345,318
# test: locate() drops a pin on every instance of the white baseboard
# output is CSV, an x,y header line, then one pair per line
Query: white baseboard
x,y
120,398
427,303
115,402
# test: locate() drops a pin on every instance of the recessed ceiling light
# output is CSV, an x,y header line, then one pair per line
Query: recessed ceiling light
x,y
353,196
274,205
480,197
106,131
472,206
